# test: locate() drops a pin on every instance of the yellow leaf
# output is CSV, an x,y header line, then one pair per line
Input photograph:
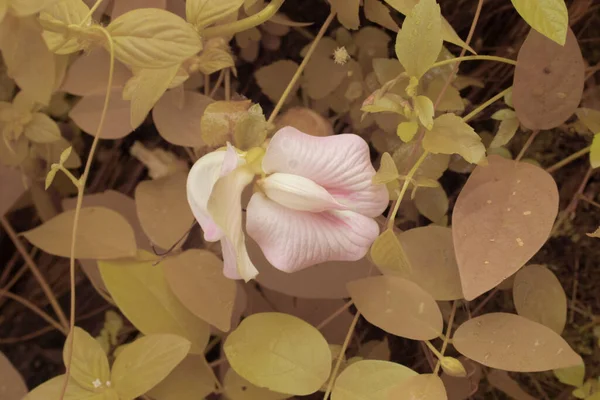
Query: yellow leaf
x,y
407,130
492,220
42,129
432,202
451,135
369,380
289,355
28,60
549,17
52,389
56,20
376,350
590,118
196,277
595,234
572,376
430,252
595,152
215,57
450,101
251,129
145,88
387,253
376,12
506,131
274,78
237,388
180,123
425,111
513,343
387,170
102,234
504,114
142,293
219,120
347,12
23,8
14,387
89,365
163,209
389,102
192,379
386,69
202,13
419,42
153,38
398,306
453,367
147,361
420,387
539,296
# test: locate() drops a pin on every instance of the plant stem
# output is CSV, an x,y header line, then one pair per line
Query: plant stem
x,y
447,337
228,84
80,192
68,173
484,302
91,12
300,69
411,173
527,144
335,314
243,24
218,83
473,58
35,271
569,159
433,350
483,106
336,368
35,309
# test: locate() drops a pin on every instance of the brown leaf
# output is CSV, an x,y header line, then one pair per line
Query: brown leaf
x,y
177,121
102,234
503,382
513,343
398,306
192,379
322,75
12,385
502,217
463,388
12,187
196,277
86,114
163,209
274,78
548,82
305,120
539,296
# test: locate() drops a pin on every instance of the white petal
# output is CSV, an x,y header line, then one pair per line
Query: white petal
x,y
299,193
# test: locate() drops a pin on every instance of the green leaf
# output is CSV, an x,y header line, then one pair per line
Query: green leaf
x,y
192,379
237,388
50,176
64,156
42,129
398,306
387,170
369,380
102,234
425,111
287,355
595,152
507,129
407,130
387,253
202,13
420,387
52,389
451,135
219,121
432,203
590,118
389,102
147,361
572,376
251,129
419,42
453,367
548,17
513,343
140,290
89,365
376,12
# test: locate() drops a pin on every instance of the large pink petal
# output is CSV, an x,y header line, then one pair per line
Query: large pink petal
x,y
340,163
292,240
224,206
200,182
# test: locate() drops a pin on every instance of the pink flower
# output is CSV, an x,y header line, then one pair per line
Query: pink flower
x,y
315,203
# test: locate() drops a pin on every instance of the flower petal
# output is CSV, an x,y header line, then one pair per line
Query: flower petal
x,y
293,240
339,163
224,205
298,193
229,259
200,182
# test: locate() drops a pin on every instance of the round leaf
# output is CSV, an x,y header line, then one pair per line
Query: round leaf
x,y
147,361
398,306
12,385
163,209
196,277
279,352
274,78
548,82
192,379
513,343
369,380
89,365
142,293
420,387
102,234
539,296
550,17
237,388
502,217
